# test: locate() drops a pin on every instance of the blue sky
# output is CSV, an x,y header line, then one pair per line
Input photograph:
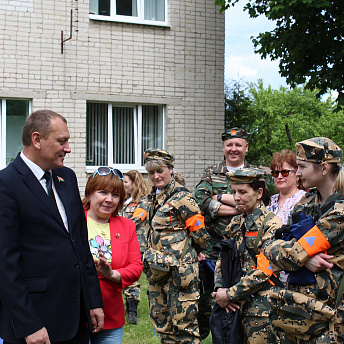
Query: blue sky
x,y
241,63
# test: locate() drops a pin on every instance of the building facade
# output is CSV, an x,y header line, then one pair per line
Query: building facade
x,y
127,75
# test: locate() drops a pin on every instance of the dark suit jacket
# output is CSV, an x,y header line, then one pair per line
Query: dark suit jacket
x,y
44,270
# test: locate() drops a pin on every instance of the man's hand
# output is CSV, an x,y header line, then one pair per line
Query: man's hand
x,y
39,337
223,301
319,262
97,318
226,199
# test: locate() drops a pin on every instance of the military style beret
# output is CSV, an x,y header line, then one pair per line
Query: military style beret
x,y
318,149
157,154
247,175
233,133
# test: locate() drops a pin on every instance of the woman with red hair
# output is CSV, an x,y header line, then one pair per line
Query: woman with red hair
x,y
283,169
114,246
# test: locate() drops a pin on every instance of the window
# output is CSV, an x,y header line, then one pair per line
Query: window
x,y
13,113
118,135
136,11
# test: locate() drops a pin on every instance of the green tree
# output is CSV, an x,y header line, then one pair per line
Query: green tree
x,y
237,102
277,119
308,40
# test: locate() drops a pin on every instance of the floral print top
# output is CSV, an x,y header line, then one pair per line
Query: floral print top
x,y
289,204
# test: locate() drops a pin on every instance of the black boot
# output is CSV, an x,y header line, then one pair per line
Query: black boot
x,y
132,311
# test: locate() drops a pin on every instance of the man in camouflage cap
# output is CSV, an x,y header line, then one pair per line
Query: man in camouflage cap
x,y
214,197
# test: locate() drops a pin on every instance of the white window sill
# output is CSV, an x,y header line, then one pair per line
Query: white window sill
x,y
128,19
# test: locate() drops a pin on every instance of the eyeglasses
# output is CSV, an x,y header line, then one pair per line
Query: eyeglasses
x,y
105,170
284,173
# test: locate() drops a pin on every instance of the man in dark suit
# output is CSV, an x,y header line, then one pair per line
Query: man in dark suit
x,y
49,289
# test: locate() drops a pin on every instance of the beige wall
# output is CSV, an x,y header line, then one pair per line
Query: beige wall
x,y
180,66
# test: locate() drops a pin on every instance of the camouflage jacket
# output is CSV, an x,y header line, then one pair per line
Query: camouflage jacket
x,y
137,212
172,222
254,284
290,255
213,182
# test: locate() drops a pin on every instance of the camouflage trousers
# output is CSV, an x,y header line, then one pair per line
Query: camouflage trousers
x,y
334,334
258,330
173,306
133,291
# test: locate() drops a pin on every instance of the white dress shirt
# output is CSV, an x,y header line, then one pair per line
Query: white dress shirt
x,y
39,173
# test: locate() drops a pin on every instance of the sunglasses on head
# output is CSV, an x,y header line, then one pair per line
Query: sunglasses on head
x,y
284,173
105,170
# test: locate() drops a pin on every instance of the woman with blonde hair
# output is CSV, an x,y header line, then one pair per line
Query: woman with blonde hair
x,y
176,237
135,208
311,249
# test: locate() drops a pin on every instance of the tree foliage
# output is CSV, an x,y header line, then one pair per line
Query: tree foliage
x,y
308,40
237,102
277,119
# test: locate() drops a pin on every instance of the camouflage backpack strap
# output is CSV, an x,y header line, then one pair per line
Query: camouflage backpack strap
x,y
340,293
154,208
275,280
267,218
177,189
185,247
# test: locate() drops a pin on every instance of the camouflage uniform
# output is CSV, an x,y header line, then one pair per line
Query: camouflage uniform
x,y
253,287
173,295
314,318
137,212
213,182
290,256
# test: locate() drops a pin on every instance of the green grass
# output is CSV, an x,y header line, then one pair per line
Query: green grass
x,y
143,333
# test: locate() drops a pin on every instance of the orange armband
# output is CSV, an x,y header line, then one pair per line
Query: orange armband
x,y
195,222
263,264
314,241
140,213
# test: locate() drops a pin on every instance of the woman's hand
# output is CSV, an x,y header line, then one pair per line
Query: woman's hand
x,y
104,268
201,256
319,262
222,299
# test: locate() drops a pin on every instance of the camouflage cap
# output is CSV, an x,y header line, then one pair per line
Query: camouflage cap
x,y
157,154
247,175
233,133
318,149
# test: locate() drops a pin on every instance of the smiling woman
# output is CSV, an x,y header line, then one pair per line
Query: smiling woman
x,y
114,246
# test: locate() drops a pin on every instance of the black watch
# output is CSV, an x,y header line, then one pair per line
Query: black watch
x,y
219,197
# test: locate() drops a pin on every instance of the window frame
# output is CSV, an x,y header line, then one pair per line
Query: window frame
x,y
3,127
137,114
130,19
